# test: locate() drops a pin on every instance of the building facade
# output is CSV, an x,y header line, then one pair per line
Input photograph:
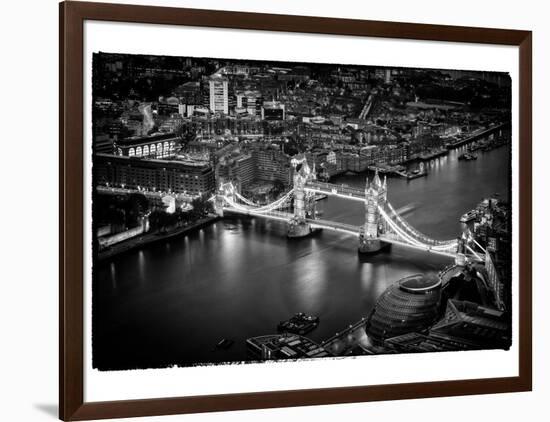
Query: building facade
x,y
219,94
273,111
152,146
272,164
409,305
173,176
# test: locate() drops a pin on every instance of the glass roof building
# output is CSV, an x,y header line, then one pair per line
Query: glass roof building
x,y
412,304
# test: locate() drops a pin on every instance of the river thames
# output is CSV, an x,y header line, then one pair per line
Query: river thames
x,y
170,303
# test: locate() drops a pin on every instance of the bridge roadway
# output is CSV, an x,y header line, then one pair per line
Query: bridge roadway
x,y
287,216
335,226
336,190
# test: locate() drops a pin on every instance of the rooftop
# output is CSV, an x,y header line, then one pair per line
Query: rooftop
x,y
419,283
284,346
171,160
148,138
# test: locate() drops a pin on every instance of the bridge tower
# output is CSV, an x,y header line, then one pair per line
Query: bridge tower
x,y
460,258
375,196
298,226
224,190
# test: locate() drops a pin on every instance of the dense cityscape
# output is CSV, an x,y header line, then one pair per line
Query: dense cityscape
x,y
187,148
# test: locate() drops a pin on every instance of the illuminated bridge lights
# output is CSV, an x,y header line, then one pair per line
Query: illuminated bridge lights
x,y
391,227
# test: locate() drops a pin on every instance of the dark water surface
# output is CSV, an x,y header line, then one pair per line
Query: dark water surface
x,y
171,302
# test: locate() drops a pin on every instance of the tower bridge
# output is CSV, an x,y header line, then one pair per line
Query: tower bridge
x,y
383,225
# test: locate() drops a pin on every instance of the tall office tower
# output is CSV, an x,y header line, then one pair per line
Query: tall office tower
x,y
219,94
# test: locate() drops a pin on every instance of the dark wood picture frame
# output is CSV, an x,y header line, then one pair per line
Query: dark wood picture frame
x,y
71,209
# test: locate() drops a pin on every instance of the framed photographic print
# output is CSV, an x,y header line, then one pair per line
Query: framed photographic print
x,y
267,210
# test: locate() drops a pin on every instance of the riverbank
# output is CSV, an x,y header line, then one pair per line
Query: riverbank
x,y
243,276
151,238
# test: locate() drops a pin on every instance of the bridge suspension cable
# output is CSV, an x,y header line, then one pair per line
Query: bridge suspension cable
x,y
398,227
258,209
415,232
474,252
409,239
478,245
246,200
405,236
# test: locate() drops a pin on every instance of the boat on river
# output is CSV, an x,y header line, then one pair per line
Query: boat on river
x,y
300,323
467,156
469,216
224,344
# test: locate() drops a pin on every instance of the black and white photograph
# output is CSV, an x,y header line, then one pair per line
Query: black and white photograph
x,y
249,211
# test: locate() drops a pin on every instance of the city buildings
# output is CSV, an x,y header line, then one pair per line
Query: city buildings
x,y
409,305
498,278
104,144
166,175
272,164
250,101
284,346
273,111
220,136
486,327
240,169
219,94
161,145
257,163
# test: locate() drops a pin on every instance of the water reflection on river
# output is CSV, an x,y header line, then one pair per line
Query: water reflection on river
x,y
172,302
